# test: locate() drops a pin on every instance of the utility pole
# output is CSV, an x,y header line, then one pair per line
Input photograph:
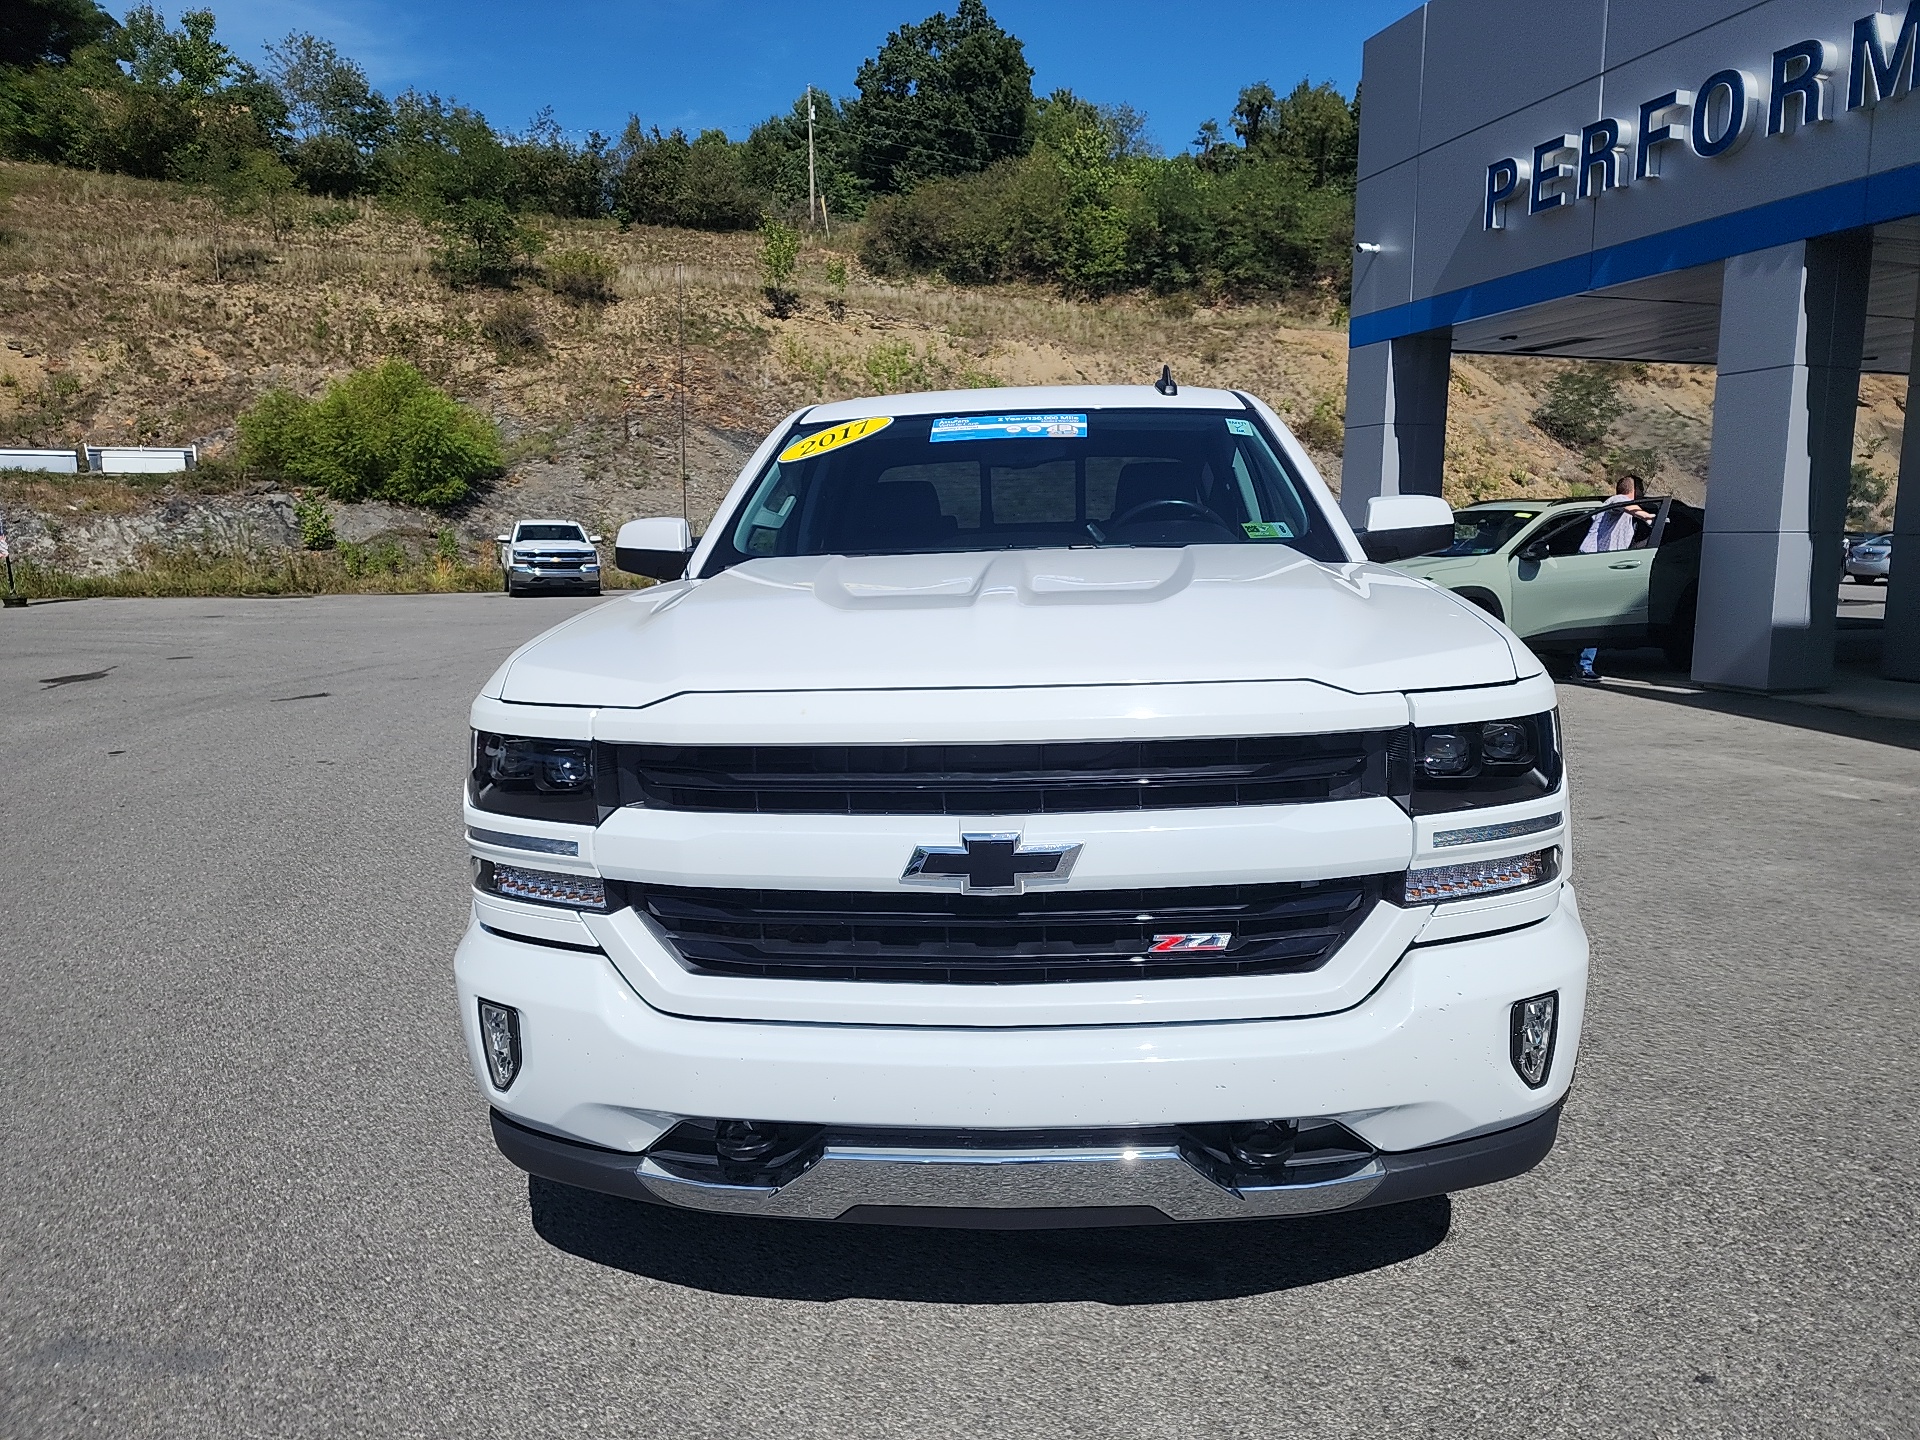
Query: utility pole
x,y
680,379
810,188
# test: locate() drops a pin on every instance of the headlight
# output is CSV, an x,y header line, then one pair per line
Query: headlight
x,y
534,779
541,887
1485,762
1469,881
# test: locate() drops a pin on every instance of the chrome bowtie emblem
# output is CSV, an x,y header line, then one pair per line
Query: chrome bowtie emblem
x,y
990,865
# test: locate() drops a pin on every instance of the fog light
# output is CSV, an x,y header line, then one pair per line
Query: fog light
x,y
1476,877
543,887
1536,1023
500,1040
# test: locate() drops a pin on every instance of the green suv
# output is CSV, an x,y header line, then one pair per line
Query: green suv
x,y
1520,561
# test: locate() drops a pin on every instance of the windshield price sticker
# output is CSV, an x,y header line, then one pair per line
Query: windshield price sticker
x,y
1268,530
1240,427
822,441
1009,427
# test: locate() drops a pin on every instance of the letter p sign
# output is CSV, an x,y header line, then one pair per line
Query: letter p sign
x,y
1504,179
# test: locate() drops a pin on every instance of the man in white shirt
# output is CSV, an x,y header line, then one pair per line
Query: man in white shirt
x,y
1611,529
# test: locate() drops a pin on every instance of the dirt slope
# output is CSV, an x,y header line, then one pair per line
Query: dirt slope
x,y
133,312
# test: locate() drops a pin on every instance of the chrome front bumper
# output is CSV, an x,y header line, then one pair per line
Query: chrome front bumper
x,y
1022,1188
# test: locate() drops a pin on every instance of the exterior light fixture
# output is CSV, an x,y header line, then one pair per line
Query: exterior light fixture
x,y
1535,1024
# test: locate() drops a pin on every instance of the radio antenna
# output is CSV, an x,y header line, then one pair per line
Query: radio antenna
x,y
680,381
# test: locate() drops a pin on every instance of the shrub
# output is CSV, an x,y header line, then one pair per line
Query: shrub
x,y
1582,403
895,369
383,434
1325,428
514,332
315,520
585,276
1866,493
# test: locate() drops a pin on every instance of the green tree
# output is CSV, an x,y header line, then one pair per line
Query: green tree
x,y
949,96
335,118
779,252
773,159
482,242
42,32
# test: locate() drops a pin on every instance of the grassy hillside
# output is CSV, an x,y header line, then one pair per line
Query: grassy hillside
x,y
134,312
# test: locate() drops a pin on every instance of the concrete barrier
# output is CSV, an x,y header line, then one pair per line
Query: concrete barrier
x,y
141,459
58,462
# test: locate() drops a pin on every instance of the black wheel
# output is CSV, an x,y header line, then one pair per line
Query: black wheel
x,y
594,592
1676,641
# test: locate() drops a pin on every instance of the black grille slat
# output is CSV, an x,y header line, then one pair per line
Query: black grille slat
x,y
1065,778
1041,938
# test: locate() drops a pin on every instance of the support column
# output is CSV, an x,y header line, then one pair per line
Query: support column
x,y
1396,419
1900,653
1791,323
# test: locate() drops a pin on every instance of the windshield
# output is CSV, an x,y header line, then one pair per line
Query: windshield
x,y
926,484
549,532
1481,532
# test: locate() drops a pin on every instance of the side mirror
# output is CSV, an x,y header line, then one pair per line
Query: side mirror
x,y
594,540
1402,526
503,539
1534,553
657,548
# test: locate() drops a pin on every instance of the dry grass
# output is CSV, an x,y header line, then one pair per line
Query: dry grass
x,y
122,328
349,570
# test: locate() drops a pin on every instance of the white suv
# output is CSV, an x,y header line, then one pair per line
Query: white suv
x,y
1031,807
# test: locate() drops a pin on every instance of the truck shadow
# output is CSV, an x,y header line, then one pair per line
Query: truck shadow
x,y
1137,1265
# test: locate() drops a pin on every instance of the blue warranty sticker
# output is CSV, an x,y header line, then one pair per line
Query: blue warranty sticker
x,y
1267,529
1009,427
1240,427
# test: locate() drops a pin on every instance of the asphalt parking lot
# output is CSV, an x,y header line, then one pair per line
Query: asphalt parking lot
x,y
251,1190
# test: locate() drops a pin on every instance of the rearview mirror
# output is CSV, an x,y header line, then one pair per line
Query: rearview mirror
x,y
1402,526
1536,552
656,548
503,539
594,540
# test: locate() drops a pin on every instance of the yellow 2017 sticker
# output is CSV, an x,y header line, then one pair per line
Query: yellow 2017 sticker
x,y
833,438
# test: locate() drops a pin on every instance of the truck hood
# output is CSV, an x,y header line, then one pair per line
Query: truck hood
x,y
553,547
1017,618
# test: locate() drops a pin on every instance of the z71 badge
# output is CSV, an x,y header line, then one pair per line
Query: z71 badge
x,y
1213,940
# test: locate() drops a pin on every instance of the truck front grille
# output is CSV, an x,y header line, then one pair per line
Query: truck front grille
x,y
1047,937
1046,779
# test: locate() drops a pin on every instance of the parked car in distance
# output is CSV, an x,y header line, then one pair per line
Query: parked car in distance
x,y
549,555
1520,561
1869,560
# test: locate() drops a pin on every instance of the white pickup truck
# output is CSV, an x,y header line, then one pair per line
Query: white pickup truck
x,y
1024,807
549,555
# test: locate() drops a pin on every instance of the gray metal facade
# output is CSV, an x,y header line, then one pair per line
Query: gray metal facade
x,y
1705,182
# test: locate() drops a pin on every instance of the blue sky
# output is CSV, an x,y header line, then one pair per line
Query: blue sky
x,y
730,63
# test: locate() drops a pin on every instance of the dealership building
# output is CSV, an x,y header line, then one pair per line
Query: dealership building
x,y
1708,182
